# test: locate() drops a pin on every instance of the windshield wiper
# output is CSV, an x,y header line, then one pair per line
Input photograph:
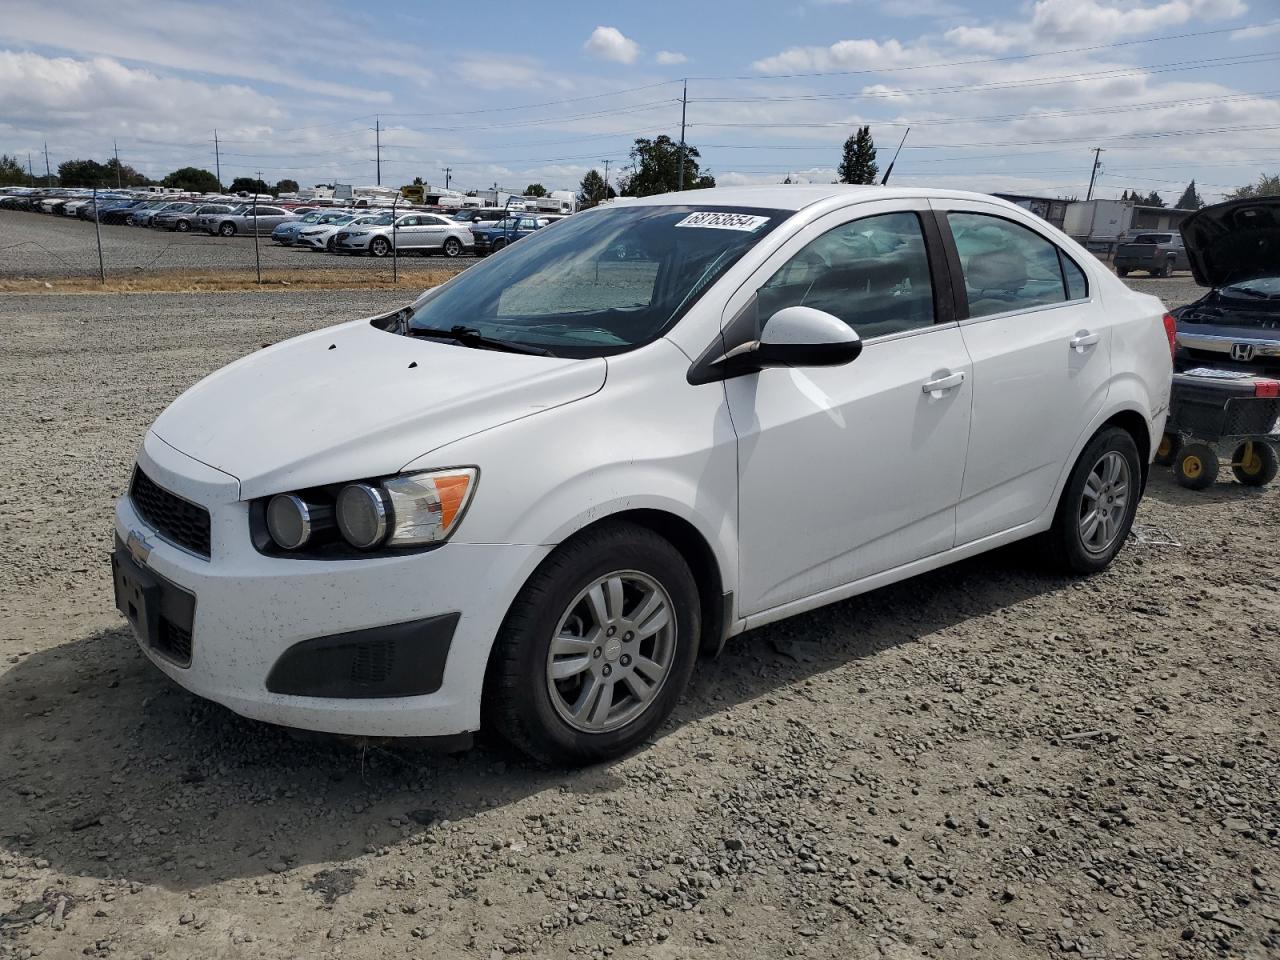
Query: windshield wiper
x,y
471,337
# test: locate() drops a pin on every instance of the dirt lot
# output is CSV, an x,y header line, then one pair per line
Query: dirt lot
x,y
985,762
56,247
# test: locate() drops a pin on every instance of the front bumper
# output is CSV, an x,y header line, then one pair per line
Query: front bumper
x,y
312,243
251,610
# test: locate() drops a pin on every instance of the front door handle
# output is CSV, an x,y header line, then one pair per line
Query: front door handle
x,y
1084,339
936,388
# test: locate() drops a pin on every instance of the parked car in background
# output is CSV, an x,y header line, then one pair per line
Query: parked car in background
x,y
120,213
492,237
181,219
322,236
478,215
376,529
1157,253
286,233
167,214
142,216
424,233
245,219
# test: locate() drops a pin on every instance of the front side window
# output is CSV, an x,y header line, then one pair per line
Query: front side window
x,y
872,273
601,283
1006,266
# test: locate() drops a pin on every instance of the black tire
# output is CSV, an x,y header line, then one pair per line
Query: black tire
x,y
1121,272
452,247
517,703
227,229
379,247
1196,466
499,244
1063,543
1260,469
182,226
331,245
1165,270
1167,451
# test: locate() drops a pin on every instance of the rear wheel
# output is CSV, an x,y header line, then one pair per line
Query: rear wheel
x,y
1168,449
452,247
1165,270
1255,463
1121,272
1097,505
596,649
1196,466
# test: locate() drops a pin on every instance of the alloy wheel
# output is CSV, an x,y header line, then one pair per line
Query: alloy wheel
x,y
612,650
1103,502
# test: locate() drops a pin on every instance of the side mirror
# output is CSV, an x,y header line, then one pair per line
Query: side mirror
x,y
792,337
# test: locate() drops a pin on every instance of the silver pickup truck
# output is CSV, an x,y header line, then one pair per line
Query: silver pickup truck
x,y
1157,253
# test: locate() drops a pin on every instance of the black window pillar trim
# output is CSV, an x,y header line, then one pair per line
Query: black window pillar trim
x,y
955,270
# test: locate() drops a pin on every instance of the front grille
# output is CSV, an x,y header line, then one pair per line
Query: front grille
x,y
177,520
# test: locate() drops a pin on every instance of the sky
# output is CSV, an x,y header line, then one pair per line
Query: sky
x,y
999,96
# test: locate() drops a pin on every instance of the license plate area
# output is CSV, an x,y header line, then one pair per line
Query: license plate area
x,y
161,613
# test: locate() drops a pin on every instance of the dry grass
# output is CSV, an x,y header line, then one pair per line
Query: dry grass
x,y
231,280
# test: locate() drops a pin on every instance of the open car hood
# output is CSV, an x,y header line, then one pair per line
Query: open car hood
x,y
1234,241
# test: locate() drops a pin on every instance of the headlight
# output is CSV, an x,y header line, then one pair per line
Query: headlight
x,y
362,515
426,507
292,521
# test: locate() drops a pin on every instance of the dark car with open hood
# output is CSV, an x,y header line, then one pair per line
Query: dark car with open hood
x,y
1233,248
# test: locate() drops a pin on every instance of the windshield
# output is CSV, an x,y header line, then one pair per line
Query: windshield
x,y
601,283
383,221
1153,238
1260,288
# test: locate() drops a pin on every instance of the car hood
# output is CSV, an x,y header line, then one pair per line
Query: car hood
x,y
1234,241
354,401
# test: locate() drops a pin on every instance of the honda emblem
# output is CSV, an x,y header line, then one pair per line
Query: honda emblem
x,y
1242,351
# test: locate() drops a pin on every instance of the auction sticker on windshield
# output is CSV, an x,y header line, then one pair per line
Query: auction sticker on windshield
x,y
724,221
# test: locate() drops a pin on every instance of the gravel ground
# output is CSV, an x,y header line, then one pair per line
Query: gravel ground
x,y
41,245
987,761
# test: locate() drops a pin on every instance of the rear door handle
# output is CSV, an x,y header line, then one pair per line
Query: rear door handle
x,y
936,388
1084,339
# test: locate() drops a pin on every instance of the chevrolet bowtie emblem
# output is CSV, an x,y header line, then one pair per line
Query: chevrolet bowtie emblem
x,y
138,547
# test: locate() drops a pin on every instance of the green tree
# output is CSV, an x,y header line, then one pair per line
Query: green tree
x,y
858,164
593,189
1190,199
535,190
123,175
1267,186
1153,199
12,173
193,179
83,173
655,168
285,186
248,185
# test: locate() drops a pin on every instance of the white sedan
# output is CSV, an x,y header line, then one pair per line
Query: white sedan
x,y
424,233
324,236
531,498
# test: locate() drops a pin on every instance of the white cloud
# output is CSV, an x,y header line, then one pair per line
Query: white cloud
x,y
845,55
984,39
670,58
609,43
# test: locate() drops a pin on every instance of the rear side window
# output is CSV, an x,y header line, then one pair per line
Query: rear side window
x,y
1006,266
872,273
1077,283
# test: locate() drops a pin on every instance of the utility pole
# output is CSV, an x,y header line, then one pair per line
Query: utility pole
x,y
257,257
377,140
48,175
684,104
30,171
447,172
115,147
1097,162
606,180
217,159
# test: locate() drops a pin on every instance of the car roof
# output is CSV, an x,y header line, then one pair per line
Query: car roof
x,y
797,196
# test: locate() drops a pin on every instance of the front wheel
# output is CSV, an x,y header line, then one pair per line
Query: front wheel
x,y
1121,272
331,244
227,229
452,247
182,226
499,244
596,649
379,247
1098,504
